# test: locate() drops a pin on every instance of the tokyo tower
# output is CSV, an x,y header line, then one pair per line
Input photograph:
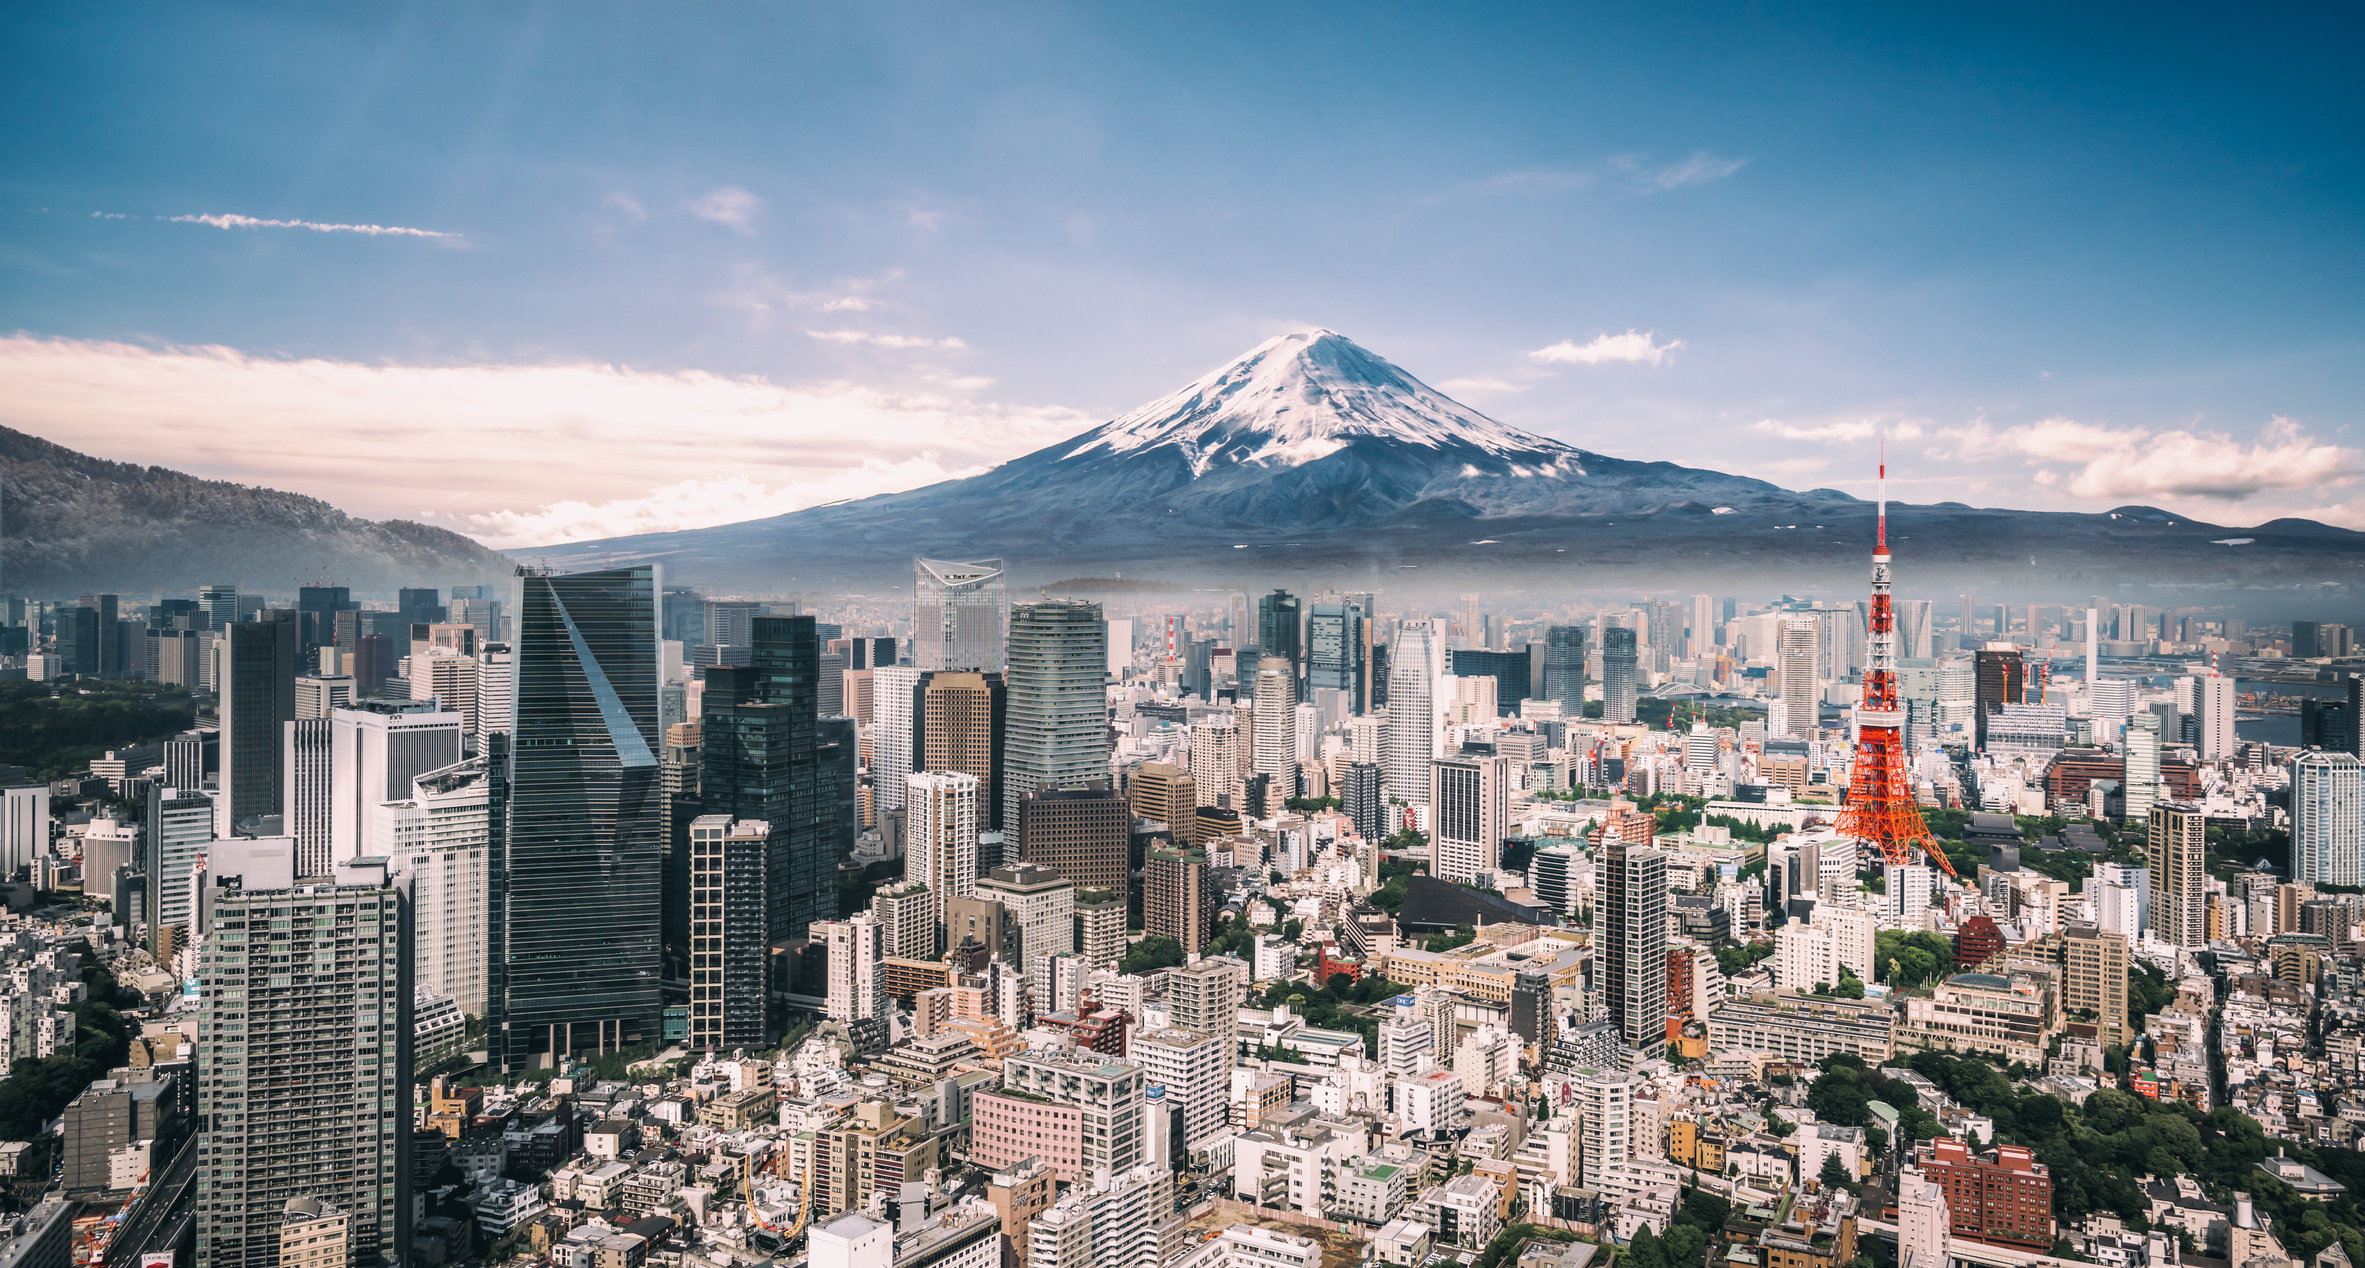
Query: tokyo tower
x,y
1880,807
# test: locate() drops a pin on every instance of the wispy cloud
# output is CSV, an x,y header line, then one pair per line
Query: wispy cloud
x,y
2132,462
256,222
1480,385
557,452
629,205
1699,169
886,341
1841,431
730,206
108,215
1636,346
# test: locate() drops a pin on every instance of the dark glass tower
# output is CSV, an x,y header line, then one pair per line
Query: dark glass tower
x,y
1620,674
1277,630
587,821
257,694
804,868
1564,667
1334,651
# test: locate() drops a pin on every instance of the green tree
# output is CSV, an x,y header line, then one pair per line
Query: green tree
x,y
1834,1174
1646,1250
1150,954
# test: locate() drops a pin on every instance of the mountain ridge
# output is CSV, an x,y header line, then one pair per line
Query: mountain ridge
x,y
1312,445
78,523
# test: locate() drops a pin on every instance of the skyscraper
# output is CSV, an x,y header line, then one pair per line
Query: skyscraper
x,y
257,695
940,835
307,1091
1619,671
1700,637
2177,848
857,974
2214,716
2140,770
894,695
1564,668
1057,732
575,907
376,750
307,746
1412,736
1634,941
960,723
2094,979
2328,818
1273,751
1796,652
1470,804
1335,650
1277,629
728,932
961,613
1360,797
2002,680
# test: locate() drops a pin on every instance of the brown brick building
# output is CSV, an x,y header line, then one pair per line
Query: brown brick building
x,y
2003,1197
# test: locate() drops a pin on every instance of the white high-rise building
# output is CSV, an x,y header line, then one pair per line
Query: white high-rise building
x,y
180,832
1851,936
496,677
857,969
1215,762
893,689
1700,638
376,755
1413,735
1913,629
1470,809
319,695
1803,957
1274,754
1908,898
1923,1221
2141,746
308,785
1196,1071
2214,698
2328,818
440,836
1605,1125
940,834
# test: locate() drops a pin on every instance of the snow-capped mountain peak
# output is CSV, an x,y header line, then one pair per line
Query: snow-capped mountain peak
x,y
1301,397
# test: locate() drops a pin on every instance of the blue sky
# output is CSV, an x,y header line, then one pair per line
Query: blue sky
x,y
715,261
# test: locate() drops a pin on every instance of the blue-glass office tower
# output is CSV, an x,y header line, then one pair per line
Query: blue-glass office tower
x,y
578,928
1276,634
804,869
1620,674
1335,643
1564,667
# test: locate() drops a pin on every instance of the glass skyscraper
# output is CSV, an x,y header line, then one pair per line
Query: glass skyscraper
x,y
961,611
577,896
1055,727
1335,639
1618,674
1276,632
1564,667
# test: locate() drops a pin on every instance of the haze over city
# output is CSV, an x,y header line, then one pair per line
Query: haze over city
x,y
1041,636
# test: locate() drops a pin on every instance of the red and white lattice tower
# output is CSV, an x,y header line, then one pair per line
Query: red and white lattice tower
x,y
1880,807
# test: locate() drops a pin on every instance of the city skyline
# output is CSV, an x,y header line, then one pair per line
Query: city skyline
x,y
2131,292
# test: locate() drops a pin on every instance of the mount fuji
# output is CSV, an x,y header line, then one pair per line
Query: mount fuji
x,y
1311,452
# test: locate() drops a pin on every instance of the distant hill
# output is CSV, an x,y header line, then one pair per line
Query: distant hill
x,y
1312,459
71,523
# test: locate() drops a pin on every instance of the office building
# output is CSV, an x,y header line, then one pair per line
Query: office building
x,y
2328,818
1470,804
728,932
317,695
1564,667
375,751
1337,639
1108,1092
1165,793
1196,1070
1085,834
180,829
1040,905
1217,759
2003,1197
1277,630
1797,657
496,674
2139,747
1633,941
1179,897
2177,849
220,605
1619,674
2001,679
1207,994
894,695
306,1091
577,939
1273,750
958,722
308,782
112,1118
1057,732
961,613
1413,735
257,698
1361,798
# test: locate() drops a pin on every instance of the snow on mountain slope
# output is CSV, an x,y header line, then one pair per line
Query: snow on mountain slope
x,y
1303,396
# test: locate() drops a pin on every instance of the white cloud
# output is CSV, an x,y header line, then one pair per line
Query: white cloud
x,y
729,205
629,205
2136,462
1631,346
1480,386
886,341
1698,169
251,222
508,453
1842,431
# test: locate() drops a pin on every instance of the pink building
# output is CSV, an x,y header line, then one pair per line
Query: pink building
x,y
1007,1127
